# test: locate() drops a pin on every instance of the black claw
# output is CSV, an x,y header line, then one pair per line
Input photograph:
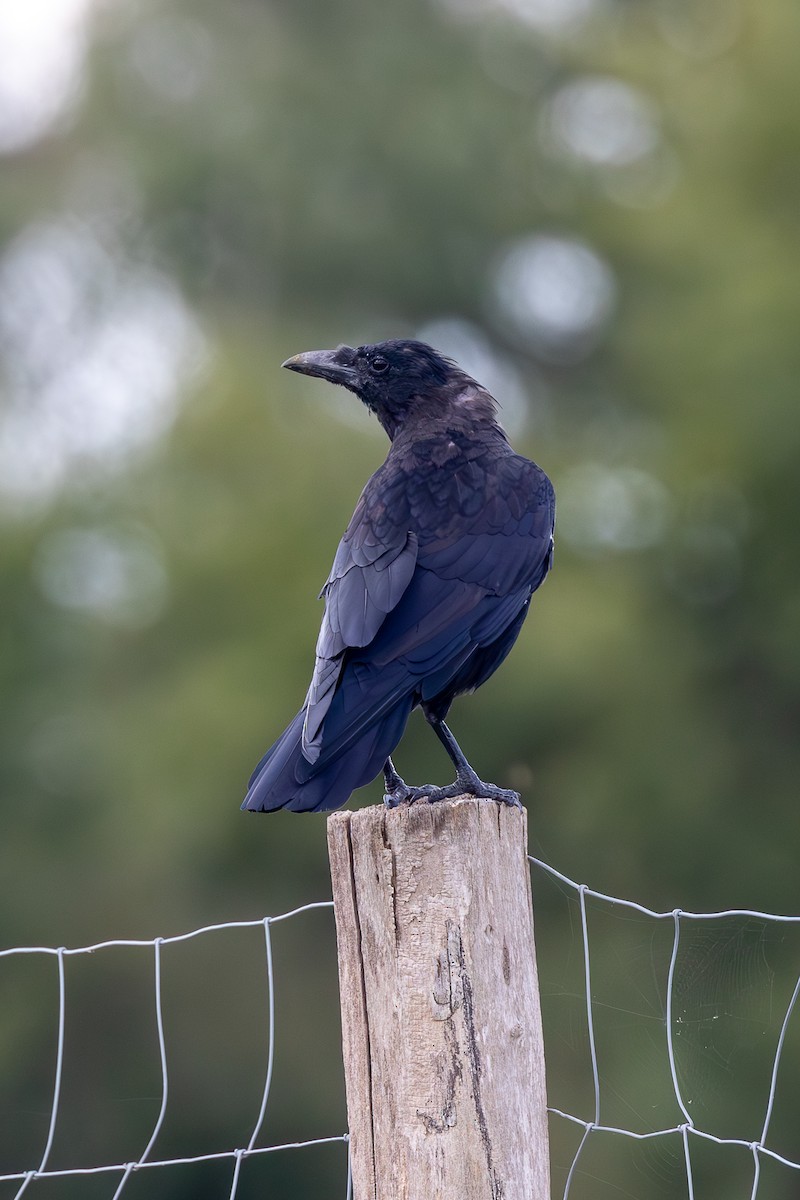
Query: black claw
x,y
488,791
398,793
404,794
466,783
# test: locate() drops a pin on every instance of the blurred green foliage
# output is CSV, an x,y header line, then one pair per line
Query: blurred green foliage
x,y
603,211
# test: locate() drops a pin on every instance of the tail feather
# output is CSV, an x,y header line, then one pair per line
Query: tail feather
x,y
278,753
285,779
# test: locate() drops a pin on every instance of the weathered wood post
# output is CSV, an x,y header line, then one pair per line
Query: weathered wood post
x,y
444,1064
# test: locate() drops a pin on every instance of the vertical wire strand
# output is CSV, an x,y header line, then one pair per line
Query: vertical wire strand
x,y
773,1083
756,1170
589,1012
164,1078
162,1049
673,1066
587,975
125,1177
236,1172
688,1160
348,1195
51,1132
271,1026
574,1166
270,1060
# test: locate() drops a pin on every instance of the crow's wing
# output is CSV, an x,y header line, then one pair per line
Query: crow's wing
x,y
423,605
367,579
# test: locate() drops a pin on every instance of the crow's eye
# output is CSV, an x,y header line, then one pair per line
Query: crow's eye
x,y
379,365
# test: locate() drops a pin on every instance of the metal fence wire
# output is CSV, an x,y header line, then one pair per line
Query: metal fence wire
x,y
687,1132
145,1161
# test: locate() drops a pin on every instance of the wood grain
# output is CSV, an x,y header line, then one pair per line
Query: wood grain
x,y
441,1024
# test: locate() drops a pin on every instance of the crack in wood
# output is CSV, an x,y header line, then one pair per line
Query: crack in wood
x,y
476,1071
389,848
452,1077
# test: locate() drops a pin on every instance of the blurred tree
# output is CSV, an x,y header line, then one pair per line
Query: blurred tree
x,y
594,206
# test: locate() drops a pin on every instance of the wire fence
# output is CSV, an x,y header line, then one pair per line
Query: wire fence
x,y
144,1162
686,1132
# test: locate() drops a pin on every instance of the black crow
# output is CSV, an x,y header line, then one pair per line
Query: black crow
x,y
429,587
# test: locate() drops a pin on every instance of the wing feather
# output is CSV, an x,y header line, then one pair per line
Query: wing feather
x,y
418,607
366,582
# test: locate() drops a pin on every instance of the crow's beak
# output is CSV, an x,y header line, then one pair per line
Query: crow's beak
x,y
337,366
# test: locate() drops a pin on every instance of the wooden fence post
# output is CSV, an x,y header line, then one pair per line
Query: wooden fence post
x,y
441,1024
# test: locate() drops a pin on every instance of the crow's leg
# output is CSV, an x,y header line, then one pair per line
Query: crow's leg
x,y
466,779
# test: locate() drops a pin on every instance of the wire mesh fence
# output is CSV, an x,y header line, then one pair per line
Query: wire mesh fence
x,y
147,1162
685,1024
683,989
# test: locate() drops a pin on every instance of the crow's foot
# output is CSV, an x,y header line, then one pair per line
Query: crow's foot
x,y
404,794
466,783
469,783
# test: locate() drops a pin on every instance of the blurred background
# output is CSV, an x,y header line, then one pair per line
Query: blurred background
x,y
592,205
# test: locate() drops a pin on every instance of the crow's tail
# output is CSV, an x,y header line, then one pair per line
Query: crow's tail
x,y
286,779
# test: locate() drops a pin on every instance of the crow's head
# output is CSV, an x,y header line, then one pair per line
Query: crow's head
x,y
396,379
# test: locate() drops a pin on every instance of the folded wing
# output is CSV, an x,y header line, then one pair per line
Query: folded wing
x,y
366,582
416,615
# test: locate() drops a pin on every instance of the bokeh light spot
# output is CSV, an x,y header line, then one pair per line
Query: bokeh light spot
x,y
174,56
555,291
602,121
95,352
41,65
554,16
603,508
117,575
